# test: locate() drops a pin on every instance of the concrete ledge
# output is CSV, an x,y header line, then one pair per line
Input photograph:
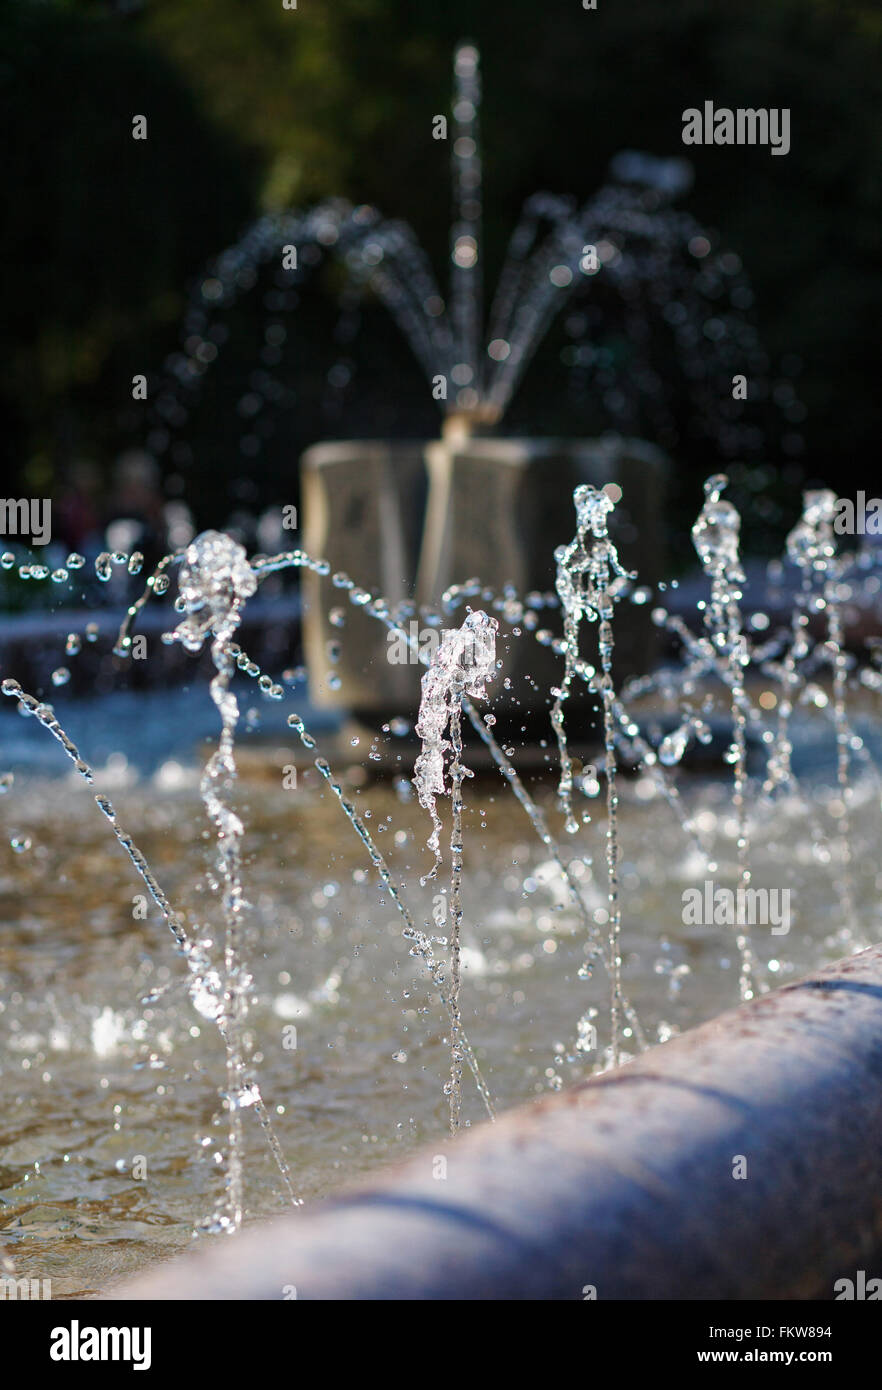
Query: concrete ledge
x,y
624,1183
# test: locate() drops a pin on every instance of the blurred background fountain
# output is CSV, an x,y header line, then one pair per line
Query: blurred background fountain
x,y
403,515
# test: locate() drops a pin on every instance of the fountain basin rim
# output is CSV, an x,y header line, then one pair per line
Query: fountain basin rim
x,y
625,1183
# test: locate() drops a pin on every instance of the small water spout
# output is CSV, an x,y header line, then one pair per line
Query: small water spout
x,y
216,580
811,545
463,663
716,539
421,945
586,570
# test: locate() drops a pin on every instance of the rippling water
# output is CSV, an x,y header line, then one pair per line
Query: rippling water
x,y
92,1078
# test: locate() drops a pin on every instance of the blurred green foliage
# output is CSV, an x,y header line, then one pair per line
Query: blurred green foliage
x,y
252,106
99,233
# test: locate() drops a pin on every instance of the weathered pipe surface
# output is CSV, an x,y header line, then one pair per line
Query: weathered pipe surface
x,y
624,1182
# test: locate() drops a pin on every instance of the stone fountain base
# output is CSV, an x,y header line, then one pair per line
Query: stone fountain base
x,y
407,520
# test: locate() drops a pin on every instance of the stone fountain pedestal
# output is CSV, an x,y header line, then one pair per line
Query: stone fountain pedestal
x,y
407,520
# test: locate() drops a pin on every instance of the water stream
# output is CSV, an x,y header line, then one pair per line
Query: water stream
x,y
510,909
276,939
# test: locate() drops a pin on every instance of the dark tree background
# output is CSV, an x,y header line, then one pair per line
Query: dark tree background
x,y
252,107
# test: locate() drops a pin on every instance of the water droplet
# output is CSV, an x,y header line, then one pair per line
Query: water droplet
x,y
674,745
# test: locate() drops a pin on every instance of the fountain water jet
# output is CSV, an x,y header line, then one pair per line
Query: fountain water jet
x,y
216,580
461,667
586,570
715,535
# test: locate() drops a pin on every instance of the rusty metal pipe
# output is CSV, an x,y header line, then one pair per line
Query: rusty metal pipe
x,y
625,1184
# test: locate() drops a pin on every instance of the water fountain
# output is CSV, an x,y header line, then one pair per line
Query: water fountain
x,y
215,582
558,950
401,514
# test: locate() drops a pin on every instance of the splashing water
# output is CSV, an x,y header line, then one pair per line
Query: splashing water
x,y
465,660
811,546
422,946
461,667
586,570
715,536
206,986
216,579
